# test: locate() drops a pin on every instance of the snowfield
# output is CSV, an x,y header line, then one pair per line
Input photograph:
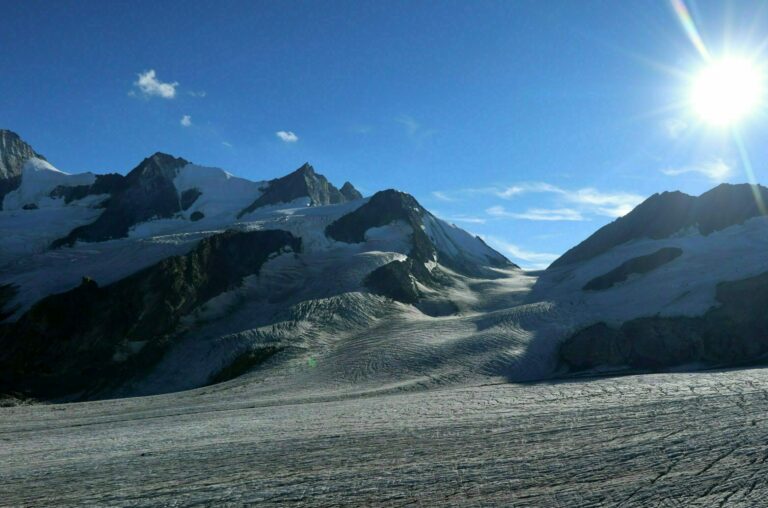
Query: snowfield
x,y
654,440
364,400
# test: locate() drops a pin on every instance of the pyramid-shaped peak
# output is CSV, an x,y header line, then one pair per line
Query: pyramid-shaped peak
x,y
348,191
158,164
306,169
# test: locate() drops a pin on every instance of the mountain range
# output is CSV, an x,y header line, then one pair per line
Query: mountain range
x,y
175,276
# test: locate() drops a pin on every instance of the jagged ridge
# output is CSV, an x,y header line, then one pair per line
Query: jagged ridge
x,y
304,182
663,215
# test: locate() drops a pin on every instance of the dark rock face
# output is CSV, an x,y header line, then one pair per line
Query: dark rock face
x,y
727,205
146,192
14,152
392,280
196,216
75,342
244,362
188,197
638,265
734,333
7,293
384,208
303,182
111,184
348,191
663,215
7,185
396,279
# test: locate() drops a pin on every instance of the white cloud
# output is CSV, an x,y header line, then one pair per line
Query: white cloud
x,y
150,86
562,205
524,257
538,214
613,204
186,121
675,127
442,196
287,136
227,144
525,188
717,170
468,220
200,94
586,200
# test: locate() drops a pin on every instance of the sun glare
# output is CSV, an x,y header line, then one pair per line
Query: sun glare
x,y
727,91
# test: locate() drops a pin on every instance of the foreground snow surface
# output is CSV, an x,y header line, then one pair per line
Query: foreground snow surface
x,y
654,440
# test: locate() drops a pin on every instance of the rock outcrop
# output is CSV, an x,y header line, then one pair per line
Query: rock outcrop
x,y
634,266
86,339
731,334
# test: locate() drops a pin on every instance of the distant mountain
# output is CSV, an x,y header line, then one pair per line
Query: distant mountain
x,y
670,213
677,281
303,182
106,281
175,276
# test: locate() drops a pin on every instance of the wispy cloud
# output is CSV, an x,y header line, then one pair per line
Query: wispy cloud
x,y
227,144
414,129
186,121
466,219
675,127
717,170
609,204
524,257
538,214
569,202
200,94
287,136
150,86
361,129
525,188
442,196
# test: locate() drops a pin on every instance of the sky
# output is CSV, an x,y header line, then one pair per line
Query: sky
x,y
529,123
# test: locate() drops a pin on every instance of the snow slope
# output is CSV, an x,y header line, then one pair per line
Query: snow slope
x,y
223,195
38,179
314,306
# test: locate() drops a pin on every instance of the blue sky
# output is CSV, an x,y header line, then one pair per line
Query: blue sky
x,y
530,123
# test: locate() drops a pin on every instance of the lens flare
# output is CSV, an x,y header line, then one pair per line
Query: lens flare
x,y
684,16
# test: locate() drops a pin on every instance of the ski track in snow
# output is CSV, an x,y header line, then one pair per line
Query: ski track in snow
x,y
654,440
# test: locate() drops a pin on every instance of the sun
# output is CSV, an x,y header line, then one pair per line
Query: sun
x,y
727,91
